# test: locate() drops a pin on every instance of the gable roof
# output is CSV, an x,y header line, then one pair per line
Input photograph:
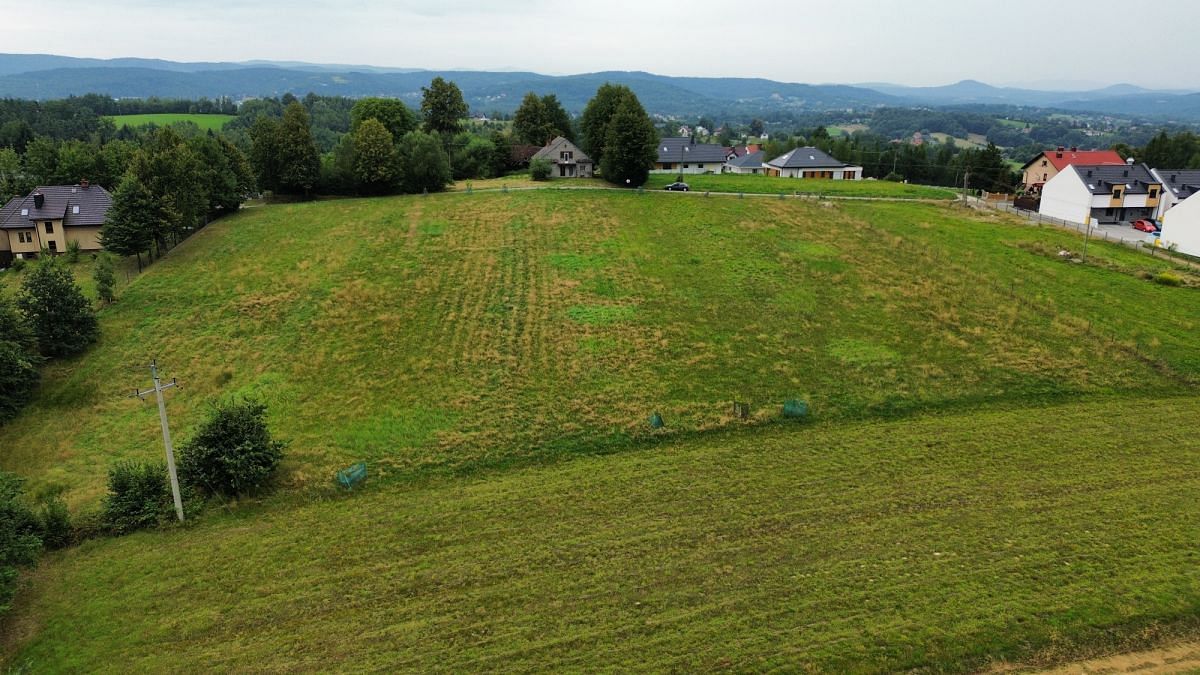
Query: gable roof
x,y
1182,183
1062,158
75,205
753,160
671,150
1101,178
806,158
560,144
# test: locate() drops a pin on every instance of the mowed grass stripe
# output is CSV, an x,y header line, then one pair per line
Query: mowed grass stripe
x,y
939,542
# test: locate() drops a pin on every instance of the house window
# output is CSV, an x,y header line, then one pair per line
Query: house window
x,y
668,166
1117,194
1044,162
1109,212
53,246
687,166
566,155
1154,193
1045,177
49,227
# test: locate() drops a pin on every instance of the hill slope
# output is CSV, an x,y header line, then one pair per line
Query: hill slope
x,y
450,334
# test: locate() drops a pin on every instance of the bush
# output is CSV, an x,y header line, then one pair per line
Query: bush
x,y
19,378
104,277
138,496
72,254
19,542
894,177
539,169
232,452
17,265
54,520
1168,279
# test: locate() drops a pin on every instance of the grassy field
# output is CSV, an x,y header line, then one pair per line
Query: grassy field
x,y
1000,464
770,185
941,542
205,122
454,333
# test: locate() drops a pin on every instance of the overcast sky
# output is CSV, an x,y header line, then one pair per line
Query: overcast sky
x,y
919,42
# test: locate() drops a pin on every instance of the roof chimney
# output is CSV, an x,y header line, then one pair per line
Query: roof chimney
x,y
1058,153
1129,161
1074,149
84,184
39,200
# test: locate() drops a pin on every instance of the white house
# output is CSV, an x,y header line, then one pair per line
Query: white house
x,y
685,155
1181,226
811,163
1101,194
751,163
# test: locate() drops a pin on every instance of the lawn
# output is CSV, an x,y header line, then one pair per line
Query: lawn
x,y
460,333
940,543
205,122
751,184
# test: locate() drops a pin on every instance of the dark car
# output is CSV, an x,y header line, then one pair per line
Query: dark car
x,y
1145,225
678,186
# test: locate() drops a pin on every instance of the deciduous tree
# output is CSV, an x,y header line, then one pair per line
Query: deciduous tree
x,y
443,106
629,148
62,320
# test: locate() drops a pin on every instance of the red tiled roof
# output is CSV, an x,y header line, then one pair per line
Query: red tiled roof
x,y
1061,160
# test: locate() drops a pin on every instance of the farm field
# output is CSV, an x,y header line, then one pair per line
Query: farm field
x,y
999,465
205,122
499,329
941,542
751,184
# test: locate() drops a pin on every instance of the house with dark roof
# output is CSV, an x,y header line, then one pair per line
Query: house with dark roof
x,y
51,218
811,163
1178,186
1039,170
566,157
1102,193
685,155
751,163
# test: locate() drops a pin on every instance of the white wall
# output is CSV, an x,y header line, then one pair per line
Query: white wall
x,y
692,168
1181,226
1066,197
838,173
729,168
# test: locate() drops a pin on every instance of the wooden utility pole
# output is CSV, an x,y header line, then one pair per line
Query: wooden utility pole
x,y
158,389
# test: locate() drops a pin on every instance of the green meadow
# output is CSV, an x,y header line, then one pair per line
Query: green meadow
x,y
998,465
757,184
205,122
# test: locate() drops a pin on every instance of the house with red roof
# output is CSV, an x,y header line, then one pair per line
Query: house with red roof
x,y
1041,169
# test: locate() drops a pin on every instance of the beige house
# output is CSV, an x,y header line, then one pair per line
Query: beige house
x,y
51,218
566,157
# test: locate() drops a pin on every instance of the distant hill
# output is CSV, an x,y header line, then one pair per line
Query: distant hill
x,y
46,76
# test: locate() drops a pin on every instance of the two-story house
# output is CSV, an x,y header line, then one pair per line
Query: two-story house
x,y
1102,193
1041,169
1178,186
568,160
52,217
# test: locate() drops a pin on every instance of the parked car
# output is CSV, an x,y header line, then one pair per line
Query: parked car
x,y
1145,225
678,186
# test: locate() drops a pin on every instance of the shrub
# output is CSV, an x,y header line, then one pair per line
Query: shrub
x,y
539,169
138,496
19,542
54,520
17,265
104,277
1168,279
72,254
894,177
18,379
232,452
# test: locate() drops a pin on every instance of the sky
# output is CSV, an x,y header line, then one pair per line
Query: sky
x,y
916,42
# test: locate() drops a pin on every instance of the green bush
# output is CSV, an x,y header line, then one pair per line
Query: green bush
x,y
17,264
1168,279
19,541
138,496
539,169
72,254
19,378
54,520
232,452
894,177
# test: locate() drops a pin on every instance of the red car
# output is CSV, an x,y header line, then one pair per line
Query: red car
x,y
1145,225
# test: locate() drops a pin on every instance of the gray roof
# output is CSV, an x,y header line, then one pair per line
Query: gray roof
x,y
1100,178
1182,183
671,150
550,152
75,205
806,158
753,160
